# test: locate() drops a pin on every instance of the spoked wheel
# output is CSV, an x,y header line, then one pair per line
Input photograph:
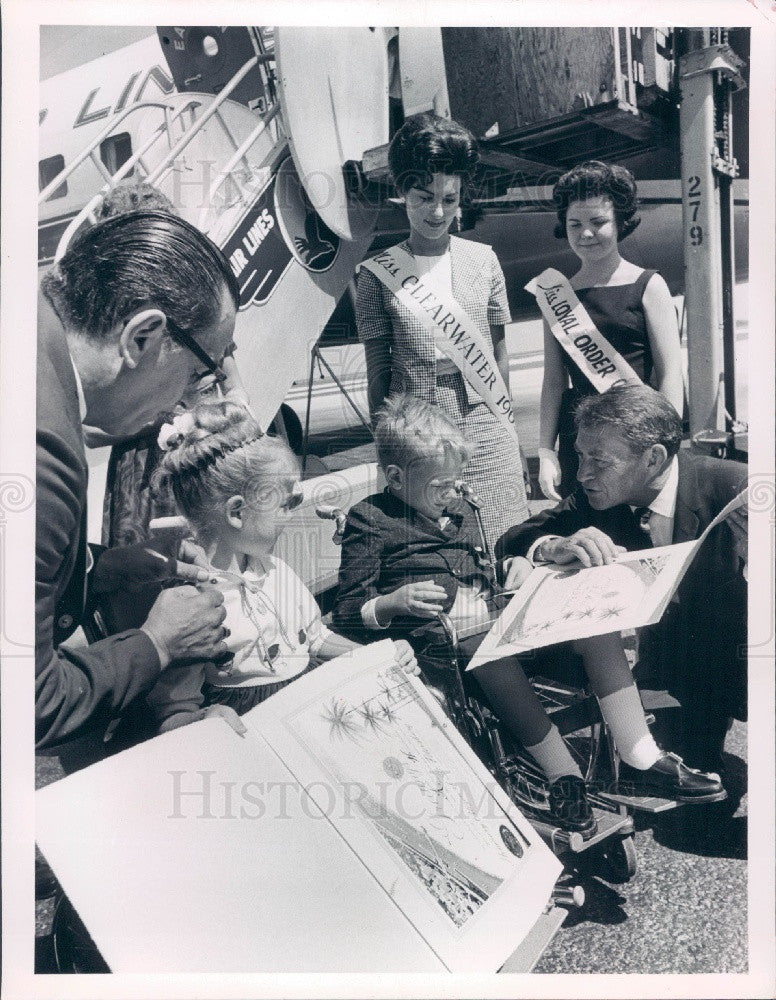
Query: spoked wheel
x,y
74,949
619,859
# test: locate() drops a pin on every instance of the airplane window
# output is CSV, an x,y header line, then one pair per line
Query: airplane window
x,y
210,46
48,170
115,151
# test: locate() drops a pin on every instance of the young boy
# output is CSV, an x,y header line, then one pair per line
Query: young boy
x,y
413,551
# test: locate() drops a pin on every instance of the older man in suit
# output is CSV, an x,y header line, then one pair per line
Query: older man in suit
x,y
127,320
636,489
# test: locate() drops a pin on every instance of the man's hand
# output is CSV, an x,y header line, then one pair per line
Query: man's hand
x,y
405,657
517,570
132,567
421,600
186,623
191,558
590,546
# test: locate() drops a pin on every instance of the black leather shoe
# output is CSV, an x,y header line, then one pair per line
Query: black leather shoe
x,y
569,806
670,778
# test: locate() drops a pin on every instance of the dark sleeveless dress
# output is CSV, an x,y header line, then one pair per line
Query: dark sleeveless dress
x,y
618,313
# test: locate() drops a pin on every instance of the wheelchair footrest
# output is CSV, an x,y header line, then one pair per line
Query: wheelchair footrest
x,y
644,803
563,841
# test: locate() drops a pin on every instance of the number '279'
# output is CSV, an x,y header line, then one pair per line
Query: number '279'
x,y
694,202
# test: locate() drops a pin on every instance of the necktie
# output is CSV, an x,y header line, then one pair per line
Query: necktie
x,y
644,516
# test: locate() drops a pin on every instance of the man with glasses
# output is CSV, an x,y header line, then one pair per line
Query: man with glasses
x,y
127,320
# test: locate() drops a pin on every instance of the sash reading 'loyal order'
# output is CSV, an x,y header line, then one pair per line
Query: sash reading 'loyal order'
x,y
455,333
576,333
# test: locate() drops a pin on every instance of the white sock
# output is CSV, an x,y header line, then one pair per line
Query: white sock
x,y
624,716
553,756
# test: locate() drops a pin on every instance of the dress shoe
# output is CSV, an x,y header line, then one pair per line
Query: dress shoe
x,y
569,806
670,778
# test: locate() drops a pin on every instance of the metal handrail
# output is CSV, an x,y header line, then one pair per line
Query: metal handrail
x,y
85,153
239,155
121,173
171,116
184,141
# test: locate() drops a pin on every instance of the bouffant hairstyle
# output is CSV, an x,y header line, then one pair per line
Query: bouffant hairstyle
x,y
427,144
410,430
592,180
133,196
642,415
138,260
222,454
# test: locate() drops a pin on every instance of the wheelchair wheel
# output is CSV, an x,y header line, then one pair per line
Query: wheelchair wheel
x,y
619,859
74,950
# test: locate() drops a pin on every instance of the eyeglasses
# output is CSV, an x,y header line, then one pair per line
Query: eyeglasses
x,y
187,341
294,500
442,488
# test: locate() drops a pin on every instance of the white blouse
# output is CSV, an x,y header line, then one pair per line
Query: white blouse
x,y
275,625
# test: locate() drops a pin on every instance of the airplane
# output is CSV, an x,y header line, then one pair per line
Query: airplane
x,y
231,125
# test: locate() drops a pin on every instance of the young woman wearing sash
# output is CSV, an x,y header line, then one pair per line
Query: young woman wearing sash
x,y
431,314
613,320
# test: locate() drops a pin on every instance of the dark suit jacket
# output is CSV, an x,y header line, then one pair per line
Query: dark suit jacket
x,y
387,544
699,645
72,686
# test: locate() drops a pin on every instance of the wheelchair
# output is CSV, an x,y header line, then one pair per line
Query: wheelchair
x,y
575,713
572,708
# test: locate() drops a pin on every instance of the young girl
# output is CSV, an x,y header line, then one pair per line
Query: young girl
x,y
630,305
239,489
411,326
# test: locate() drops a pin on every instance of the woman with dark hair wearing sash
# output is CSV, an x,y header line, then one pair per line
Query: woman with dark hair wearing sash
x,y
431,314
626,327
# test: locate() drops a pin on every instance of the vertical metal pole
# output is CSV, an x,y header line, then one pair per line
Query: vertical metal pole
x,y
728,313
724,135
306,437
701,234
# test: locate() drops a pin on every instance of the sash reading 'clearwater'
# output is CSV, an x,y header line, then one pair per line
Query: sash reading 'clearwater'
x,y
455,333
577,334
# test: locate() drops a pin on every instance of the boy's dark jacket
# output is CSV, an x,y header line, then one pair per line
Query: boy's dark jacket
x,y
387,544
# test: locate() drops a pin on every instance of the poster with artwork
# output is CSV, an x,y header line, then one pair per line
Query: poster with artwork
x,y
350,830
561,603
379,756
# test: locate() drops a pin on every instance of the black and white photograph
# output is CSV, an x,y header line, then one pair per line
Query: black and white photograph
x,y
361,346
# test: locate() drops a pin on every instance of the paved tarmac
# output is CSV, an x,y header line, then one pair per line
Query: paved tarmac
x,y
685,910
